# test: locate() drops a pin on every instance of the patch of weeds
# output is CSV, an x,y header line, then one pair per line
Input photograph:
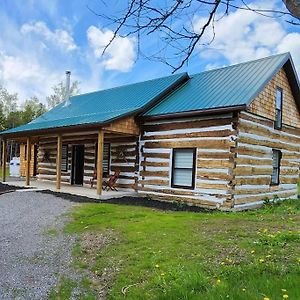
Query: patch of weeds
x,y
277,238
64,289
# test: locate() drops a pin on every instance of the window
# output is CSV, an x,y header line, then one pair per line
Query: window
x,y
183,168
278,111
106,158
276,167
64,158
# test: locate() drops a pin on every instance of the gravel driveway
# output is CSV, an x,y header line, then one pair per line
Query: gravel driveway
x,y
33,250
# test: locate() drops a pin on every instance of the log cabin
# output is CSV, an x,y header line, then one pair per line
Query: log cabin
x,y
227,138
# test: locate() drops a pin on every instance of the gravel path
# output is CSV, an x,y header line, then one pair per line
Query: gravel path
x,y
33,250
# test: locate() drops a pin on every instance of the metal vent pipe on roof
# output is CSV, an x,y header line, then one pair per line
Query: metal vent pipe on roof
x,y
67,95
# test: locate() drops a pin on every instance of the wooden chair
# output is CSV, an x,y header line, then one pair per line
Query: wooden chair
x,y
111,182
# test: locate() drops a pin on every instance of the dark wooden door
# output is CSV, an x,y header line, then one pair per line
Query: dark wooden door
x,y
35,155
77,164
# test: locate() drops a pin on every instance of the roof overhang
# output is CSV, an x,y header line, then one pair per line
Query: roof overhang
x,y
194,113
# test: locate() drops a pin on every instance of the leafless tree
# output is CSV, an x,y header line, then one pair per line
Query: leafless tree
x,y
172,20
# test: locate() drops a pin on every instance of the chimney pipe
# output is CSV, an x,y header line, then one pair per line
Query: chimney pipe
x,y
67,95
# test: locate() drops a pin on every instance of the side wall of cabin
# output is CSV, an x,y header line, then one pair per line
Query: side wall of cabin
x,y
214,140
256,140
253,168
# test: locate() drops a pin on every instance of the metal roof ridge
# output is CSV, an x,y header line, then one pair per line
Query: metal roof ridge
x,y
130,84
287,54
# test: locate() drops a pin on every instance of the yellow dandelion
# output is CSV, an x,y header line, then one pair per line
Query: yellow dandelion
x,y
156,266
218,280
162,274
283,290
261,260
298,260
285,296
266,298
244,290
222,263
252,251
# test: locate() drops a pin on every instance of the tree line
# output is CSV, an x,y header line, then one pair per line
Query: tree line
x,y
14,113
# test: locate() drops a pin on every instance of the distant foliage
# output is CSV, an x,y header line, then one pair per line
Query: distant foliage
x,y
59,93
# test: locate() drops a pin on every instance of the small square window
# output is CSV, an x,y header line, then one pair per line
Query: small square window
x,y
64,158
183,168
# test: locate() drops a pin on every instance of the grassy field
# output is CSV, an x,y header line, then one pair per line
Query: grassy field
x,y
141,253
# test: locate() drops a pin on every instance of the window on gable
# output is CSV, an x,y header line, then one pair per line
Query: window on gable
x,y
106,158
183,168
64,158
278,111
276,157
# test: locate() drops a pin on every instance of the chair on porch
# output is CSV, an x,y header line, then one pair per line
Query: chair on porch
x,y
108,184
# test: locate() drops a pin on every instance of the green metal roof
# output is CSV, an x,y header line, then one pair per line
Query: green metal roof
x,y
103,106
225,87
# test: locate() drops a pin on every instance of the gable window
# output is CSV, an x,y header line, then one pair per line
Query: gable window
x,y
278,111
106,158
276,157
64,158
183,168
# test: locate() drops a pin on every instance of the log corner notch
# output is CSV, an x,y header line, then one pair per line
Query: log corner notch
x,y
4,157
28,157
100,161
58,162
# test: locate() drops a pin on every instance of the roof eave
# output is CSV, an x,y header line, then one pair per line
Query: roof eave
x,y
211,111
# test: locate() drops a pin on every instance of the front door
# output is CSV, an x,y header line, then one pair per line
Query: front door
x,y
77,164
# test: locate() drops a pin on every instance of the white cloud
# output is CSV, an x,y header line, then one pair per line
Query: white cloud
x,y
244,35
119,56
58,37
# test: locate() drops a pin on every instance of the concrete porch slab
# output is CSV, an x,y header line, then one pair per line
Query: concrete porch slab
x,y
38,185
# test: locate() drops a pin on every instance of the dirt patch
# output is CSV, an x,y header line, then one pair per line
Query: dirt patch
x,y
5,188
135,201
94,245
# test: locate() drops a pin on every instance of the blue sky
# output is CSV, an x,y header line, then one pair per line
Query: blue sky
x,y
40,39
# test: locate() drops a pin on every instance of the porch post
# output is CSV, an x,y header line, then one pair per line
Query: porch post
x,y
58,161
100,162
4,157
28,156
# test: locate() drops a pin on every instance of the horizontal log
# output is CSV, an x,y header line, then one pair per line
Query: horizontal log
x,y
213,164
216,133
252,180
217,186
215,155
271,144
156,155
208,144
289,171
154,173
262,197
244,150
123,168
184,125
154,164
293,180
213,175
159,182
253,161
249,170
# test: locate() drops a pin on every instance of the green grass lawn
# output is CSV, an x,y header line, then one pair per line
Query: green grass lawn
x,y
141,253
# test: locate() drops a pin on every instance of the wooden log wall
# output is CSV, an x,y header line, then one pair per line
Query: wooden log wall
x,y
256,139
214,138
123,157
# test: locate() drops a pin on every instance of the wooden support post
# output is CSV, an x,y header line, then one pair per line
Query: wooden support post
x,y
58,162
100,162
28,156
4,157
